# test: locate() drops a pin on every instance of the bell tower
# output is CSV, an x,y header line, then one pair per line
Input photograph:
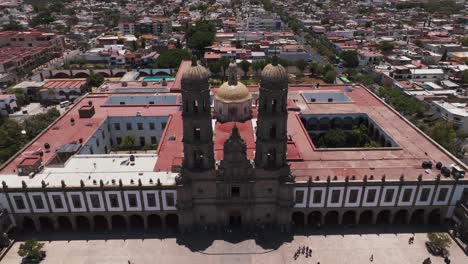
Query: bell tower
x,y
272,120
196,115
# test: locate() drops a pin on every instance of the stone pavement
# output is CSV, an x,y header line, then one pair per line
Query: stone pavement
x,y
387,248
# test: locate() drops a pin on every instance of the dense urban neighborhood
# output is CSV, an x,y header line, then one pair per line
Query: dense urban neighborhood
x,y
240,120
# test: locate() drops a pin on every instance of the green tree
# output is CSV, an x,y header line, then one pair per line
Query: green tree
x,y
31,249
200,36
418,43
224,62
350,57
301,65
464,41
172,58
386,46
316,69
37,123
245,66
445,7
21,97
11,139
464,77
330,76
439,240
444,134
401,102
94,80
215,67
128,142
333,138
13,25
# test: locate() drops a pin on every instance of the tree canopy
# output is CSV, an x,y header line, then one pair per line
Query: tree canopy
x,y
350,58
201,35
403,103
172,58
245,66
440,240
444,134
13,25
31,249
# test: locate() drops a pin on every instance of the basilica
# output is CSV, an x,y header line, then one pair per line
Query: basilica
x,y
273,154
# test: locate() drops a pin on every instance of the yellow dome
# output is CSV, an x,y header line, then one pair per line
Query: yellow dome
x,y
233,93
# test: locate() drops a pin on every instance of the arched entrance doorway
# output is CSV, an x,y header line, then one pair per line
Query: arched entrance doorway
x,y
172,221
64,224
137,222
417,217
82,223
332,218
46,223
314,219
401,217
154,221
100,223
235,219
297,219
28,225
383,217
118,223
349,218
435,217
365,218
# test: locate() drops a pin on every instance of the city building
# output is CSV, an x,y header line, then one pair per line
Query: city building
x,y
8,104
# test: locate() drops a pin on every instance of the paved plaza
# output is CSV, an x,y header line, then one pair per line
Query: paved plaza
x,y
201,248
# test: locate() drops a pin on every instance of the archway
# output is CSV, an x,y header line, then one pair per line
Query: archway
x,y
154,222
82,223
401,217
61,75
81,75
137,222
118,222
119,74
104,74
435,217
64,223
383,217
365,218
332,218
28,225
100,223
349,218
297,219
172,221
314,219
417,217
46,223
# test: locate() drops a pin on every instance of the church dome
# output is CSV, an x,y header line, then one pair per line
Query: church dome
x,y
196,74
274,73
233,91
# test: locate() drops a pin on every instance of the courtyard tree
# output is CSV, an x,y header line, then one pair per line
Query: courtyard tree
x,y
386,47
31,249
128,142
438,243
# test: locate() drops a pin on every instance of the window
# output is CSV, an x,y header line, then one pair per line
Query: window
x,y
103,134
196,133
154,141
132,200
151,126
19,201
163,125
119,140
57,200
371,195
129,126
424,195
442,194
407,195
335,196
95,202
140,126
353,194
151,198
76,200
317,196
142,141
38,201
114,202
170,199
235,191
299,196
97,142
389,195
117,126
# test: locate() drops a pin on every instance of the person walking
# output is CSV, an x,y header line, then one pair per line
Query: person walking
x,y
372,258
